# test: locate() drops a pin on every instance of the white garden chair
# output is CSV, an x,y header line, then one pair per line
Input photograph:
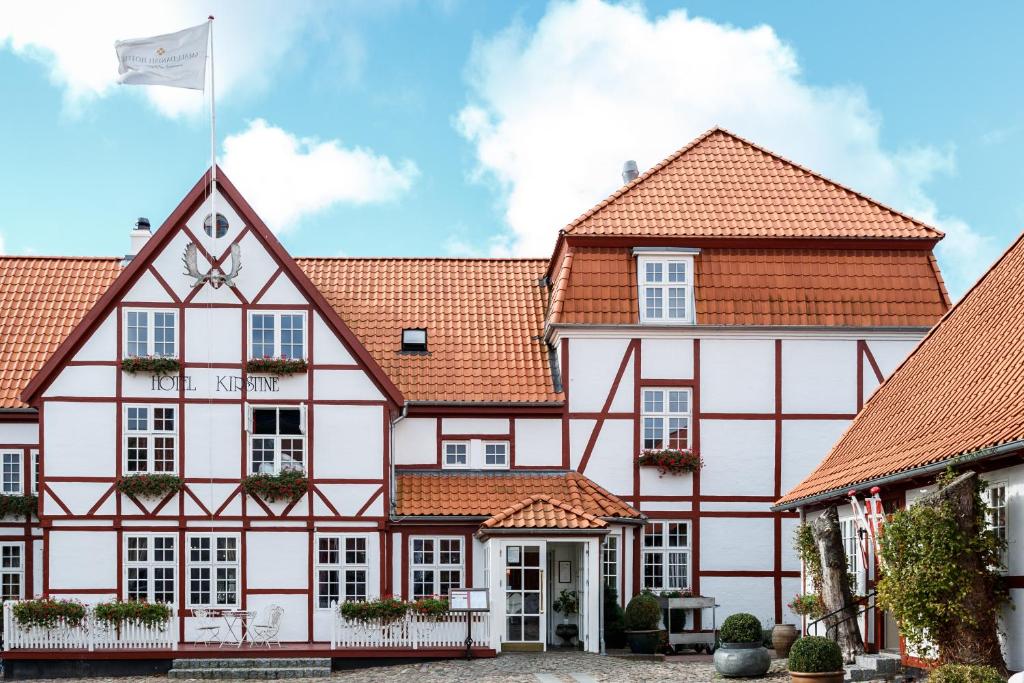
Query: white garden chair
x,y
208,629
265,632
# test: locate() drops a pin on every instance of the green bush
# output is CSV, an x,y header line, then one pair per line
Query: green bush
x,y
614,620
965,673
145,613
814,654
434,608
385,610
643,613
48,613
741,628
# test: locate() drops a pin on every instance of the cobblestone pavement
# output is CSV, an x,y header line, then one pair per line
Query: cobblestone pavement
x,y
551,667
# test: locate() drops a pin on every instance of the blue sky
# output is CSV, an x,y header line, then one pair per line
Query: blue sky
x,y
481,128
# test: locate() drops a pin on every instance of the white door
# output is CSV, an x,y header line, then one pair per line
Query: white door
x,y
524,585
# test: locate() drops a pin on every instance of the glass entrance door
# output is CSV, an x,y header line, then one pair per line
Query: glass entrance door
x,y
524,593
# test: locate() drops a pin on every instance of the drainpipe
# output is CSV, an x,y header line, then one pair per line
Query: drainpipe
x,y
391,487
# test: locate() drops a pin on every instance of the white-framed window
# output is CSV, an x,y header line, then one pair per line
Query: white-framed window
x,y
12,571
666,555
277,441
665,287
150,438
666,418
212,565
455,454
35,472
851,546
150,566
274,334
151,333
496,454
610,561
997,515
435,565
341,569
12,475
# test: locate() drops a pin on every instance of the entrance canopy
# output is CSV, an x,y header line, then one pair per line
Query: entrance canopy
x,y
543,514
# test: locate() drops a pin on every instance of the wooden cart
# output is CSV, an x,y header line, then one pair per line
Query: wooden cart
x,y
698,640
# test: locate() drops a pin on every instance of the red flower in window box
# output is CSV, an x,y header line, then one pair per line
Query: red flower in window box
x,y
276,366
671,460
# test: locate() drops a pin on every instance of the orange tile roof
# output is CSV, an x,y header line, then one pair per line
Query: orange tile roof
x,y
484,318
721,185
483,494
883,287
42,298
543,512
961,390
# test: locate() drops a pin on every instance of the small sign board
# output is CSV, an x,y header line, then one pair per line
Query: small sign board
x,y
469,600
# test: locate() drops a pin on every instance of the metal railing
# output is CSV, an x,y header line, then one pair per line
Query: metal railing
x,y
832,629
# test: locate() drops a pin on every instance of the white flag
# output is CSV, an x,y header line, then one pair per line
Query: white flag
x,y
174,59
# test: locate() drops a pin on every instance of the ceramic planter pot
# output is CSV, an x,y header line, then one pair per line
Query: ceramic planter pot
x,y
783,637
643,642
567,632
818,677
742,659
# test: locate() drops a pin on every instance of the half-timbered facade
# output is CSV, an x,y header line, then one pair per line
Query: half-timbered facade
x,y
459,422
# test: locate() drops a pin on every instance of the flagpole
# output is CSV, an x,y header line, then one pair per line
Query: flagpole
x,y
213,142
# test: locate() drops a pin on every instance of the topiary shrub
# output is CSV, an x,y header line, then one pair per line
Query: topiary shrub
x,y
643,613
815,654
741,628
614,620
965,673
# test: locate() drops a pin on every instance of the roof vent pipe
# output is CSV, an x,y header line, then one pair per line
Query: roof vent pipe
x,y
138,237
629,172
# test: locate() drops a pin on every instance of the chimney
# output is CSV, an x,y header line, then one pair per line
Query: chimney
x,y
629,172
139,235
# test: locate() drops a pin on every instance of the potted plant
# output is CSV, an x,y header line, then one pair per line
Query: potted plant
x,y
816,659
567,604
742,652
643,613
614,620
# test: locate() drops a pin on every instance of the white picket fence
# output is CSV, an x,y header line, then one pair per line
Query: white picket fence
x,y
91,634
413,631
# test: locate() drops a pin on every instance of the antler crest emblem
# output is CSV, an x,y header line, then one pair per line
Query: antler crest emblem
x,y
215,276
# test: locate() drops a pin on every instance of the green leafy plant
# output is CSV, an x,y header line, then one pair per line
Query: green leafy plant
x,y
567,603
48,613
741,628
807,550
145,613
926,590
149,485
643,613
614,620
808,605
288,485
382,611
276,366
815,654
965,673
671,460
434,608
156,365
20,506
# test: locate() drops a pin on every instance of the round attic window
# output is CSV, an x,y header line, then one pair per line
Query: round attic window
x,y
222,225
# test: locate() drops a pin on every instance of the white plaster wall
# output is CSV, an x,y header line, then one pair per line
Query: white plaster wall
x,y
147,289
283,291
652,483
326,346
333,385
755,595
592,367
294,625
80,439
790,559
737,376
611,464
462,425
257,267
666,359
348,442
416,441
213,335
83,559
739,457
819,376
235,224
624,399
168,264
102,343
539,442
805,443
78,496
579,436
264,553
213,440
737,543
888,353
19,433
84,380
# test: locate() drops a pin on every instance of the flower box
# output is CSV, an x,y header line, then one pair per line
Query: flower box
x,y
278,367
152,364
149,485
49,614
130,611
671,460
288,485
20,506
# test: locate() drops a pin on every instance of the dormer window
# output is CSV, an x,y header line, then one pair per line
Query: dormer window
x,y
665,287
414,340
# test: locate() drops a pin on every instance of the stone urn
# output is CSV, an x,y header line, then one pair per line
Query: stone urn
x,y
783,637
742,660
567,632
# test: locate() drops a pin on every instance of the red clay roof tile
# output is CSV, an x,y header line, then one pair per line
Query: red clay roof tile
x,y
543,512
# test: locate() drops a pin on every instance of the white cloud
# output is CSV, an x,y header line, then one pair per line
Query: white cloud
x,y
286,177
554,112
75,41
